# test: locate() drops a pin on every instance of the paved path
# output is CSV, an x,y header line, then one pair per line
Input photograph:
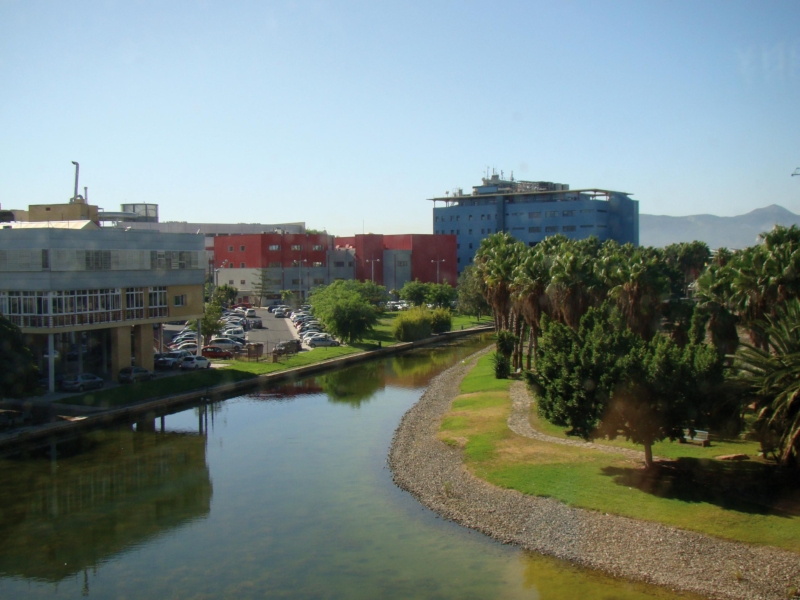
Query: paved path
x,y
519,423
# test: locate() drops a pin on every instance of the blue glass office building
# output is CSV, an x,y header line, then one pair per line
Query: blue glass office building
x,y
531,211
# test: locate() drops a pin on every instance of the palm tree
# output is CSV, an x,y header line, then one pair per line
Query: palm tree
x,y
531,278
495,259
775,378
642,288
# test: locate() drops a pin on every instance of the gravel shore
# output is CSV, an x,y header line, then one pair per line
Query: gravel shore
x,y
434,473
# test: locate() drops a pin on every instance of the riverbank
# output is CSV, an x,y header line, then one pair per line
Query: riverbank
x,y
84,418
643,551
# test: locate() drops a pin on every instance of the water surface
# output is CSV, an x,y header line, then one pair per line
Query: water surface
x,y
283,493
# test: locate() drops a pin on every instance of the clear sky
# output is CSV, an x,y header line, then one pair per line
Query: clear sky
x,y
351,114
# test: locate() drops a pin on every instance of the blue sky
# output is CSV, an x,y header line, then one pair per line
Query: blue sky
x,y
352,113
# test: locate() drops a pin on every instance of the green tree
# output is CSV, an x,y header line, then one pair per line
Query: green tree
x,y
342,308
415,292
211,323
471,300
441,294
496,260
262,286
225,294
18,372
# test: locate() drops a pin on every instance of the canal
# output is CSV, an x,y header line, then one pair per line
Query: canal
x,y
282,493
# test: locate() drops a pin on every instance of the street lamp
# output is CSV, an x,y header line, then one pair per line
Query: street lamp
x,y
300,279
373,261
437,261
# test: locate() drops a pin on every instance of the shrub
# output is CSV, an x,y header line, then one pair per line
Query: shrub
x,y
502,366
441,320
412,325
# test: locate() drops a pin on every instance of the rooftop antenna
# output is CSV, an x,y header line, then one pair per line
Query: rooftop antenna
x,y
796,172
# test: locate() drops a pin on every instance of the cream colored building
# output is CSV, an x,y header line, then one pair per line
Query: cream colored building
x,y
68,285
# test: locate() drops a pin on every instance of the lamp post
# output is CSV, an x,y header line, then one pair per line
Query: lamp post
x,y
300,279
437,261
373,261
216,278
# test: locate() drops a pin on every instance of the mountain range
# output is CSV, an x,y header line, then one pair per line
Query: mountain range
x,y
730,232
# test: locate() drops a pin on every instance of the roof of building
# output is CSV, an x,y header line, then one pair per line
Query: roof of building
x,y
593,191
50,225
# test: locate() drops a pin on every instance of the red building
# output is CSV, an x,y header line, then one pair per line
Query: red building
x,y
395,259
302,262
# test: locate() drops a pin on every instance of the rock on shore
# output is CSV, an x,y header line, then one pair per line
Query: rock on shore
x,y
434,473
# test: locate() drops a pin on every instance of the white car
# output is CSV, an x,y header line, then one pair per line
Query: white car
x,y
250,312
226,343
314,334
190,363
238,331
314,342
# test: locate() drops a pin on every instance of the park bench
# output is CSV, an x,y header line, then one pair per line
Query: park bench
x,y
699,436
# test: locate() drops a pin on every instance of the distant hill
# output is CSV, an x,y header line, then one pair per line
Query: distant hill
x,y
731,232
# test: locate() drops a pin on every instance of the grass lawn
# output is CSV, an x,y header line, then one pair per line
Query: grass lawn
x,y
751,501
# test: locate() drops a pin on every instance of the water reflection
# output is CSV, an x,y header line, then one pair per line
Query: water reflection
x,y
77,504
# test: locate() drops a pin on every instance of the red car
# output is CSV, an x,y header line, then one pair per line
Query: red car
x,y
242,305
216,352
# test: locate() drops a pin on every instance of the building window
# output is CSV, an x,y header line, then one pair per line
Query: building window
x,y
603,226
242,266
402,263
316,264
458,246
482,217
230,266
242,282
318,281
338,263
241,248
458,217
317,247
601,210
349,263
470,246
551,213
98,260
534,229
230,248
551,229
534,215
45,259
483,231
586,226
157,302
469,218
295,282
274,247
459,260
134,303
568,213
230,281
274,265
470,231
297,247
568,228
180,300
586,210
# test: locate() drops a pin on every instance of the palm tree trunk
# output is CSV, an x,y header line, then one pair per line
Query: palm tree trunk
x,y
531,343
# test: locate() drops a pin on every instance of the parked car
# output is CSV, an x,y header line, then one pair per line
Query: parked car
x,y
170,360
216,352
256,323
191,363
134,375
250,312
233,331
314,342
279,314
80,382
288,347
226,343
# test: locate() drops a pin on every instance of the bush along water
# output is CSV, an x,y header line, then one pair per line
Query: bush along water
x,y
420,322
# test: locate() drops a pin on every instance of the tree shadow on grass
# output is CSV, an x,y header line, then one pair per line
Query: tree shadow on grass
x,y
749,487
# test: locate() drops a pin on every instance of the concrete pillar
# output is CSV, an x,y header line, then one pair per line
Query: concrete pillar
x,y
120,348
51,363
143,345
